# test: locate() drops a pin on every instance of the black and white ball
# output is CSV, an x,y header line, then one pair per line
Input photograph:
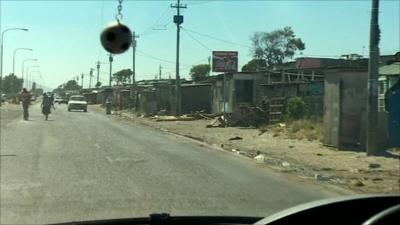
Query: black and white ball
x,y
116,38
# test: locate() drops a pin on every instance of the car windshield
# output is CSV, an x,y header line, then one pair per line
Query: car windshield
x,y
194,107
77,98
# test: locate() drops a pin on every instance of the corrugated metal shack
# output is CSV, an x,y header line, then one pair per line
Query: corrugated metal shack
x,y
196,97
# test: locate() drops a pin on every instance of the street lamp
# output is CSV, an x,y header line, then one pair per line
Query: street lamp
x,y
1,46
23,65
30,77
27,73
1,52
15,51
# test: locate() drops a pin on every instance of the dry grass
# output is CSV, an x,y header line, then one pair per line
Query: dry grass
x,y
304,129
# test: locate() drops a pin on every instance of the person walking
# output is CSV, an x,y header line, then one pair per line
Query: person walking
x,y
25,97
46,106
52,100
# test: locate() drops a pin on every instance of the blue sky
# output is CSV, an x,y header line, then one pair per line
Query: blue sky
x,y
65,34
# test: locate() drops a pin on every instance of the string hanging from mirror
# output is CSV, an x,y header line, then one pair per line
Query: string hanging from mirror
x,y
116,38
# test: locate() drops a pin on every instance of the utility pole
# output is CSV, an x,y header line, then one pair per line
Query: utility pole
x,y
178,19
134,44
372,106
133,80
98,72
82,80
159,72
110,59
209,65
90,78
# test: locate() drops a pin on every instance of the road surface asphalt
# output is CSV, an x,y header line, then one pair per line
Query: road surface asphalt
x,y
85,166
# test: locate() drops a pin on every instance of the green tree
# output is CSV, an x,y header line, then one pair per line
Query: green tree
x,y
11,84
122,76
255,65
200,71
277,46
71,85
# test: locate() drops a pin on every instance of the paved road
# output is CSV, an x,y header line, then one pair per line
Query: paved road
x,y
80,166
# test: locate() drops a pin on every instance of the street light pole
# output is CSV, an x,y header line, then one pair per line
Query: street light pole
x,y
1,54
15,51
23,66
27,74
30,77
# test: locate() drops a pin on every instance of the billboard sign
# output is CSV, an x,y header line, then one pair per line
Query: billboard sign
x,y
225,61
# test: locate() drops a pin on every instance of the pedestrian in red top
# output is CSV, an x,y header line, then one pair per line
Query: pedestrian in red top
x,y
25,97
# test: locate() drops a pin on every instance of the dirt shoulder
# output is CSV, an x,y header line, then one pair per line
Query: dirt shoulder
x,y
308,160
9,112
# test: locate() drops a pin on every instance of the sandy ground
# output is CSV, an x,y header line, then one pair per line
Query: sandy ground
x,y
8,112
354,171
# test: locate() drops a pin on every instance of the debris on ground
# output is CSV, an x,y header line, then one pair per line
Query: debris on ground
x,y
356,183
307,158
235,138
220,121
236,151
172,118
285,164
203,115
249,115
260,158
374,165
322,177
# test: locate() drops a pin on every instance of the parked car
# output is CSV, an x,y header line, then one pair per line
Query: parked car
x,y
61,100
77,102
4,97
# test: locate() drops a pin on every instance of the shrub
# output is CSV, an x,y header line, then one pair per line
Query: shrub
x,y
296,108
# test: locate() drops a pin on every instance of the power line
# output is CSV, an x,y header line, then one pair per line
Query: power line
x,y
217,39
154,57
191,3
163,19
191,36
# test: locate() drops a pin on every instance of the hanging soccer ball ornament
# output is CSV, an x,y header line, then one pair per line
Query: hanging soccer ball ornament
x,y
116,38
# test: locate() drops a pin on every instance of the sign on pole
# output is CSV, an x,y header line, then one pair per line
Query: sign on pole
x,y
225,61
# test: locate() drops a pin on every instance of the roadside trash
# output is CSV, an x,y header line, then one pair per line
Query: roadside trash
x,y
236,151
319,154
260,158
173,118
285,164
217,122
354,170
374,165
281,124
291,146
356,183
377,179
321,177
235,138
